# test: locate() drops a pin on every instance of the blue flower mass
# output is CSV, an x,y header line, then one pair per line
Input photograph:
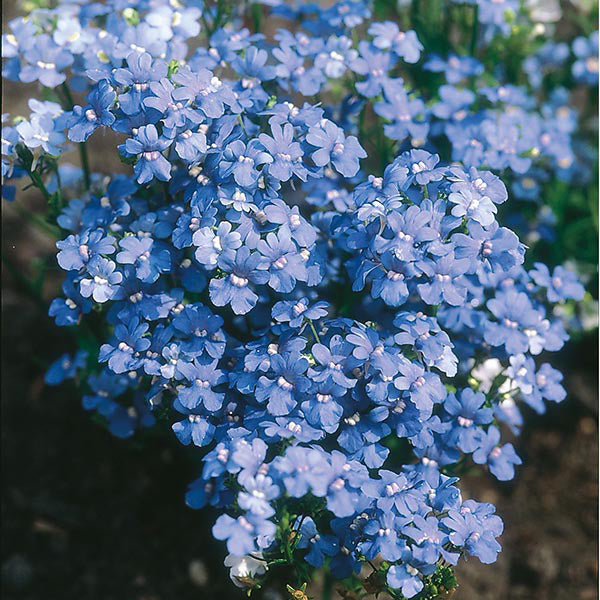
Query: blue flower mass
x,y
303,264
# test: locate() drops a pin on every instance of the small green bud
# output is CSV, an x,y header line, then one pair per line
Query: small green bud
x,y
173,67
131,17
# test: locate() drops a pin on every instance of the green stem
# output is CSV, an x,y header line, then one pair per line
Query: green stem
x,y
277,561
314,332
327,586
474,29
256,12
37,181
85,164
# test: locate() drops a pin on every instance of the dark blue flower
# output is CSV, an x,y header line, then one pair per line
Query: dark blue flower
x,y
65,368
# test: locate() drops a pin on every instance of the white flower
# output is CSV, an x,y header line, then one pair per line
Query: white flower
x,y
486,372
241,567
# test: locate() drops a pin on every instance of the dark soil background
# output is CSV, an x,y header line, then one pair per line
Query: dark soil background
x,y
86,516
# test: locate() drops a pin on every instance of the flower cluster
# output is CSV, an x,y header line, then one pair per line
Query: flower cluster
x,y
296,318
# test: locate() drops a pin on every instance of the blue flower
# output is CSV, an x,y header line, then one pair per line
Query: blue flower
x,y
103,281
206,89
215,247
422,388
343,481
375,65
335,56
421,166
140,71
445,280
333,362
322,409
395,492
294,313
146,255
286,381
405,575
453,103
382,538
492,12
519,327
456,68
283,262
260,489
404,44
173,113
585,68
343,152
242,161
286,153
203,377
430,540
243,269
500,459
77,250
495,246
467,413
87,119
369,346
147,146
405,114
123,352
45,62
319,545
561,286
291,68
196,429
242,533
299,469
67,311
41,131
472,205
469,532
65,368
293,224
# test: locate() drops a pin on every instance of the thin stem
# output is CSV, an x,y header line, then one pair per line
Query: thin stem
x,y
68,96
37,181
256,12
277,561
85,164
327,586
314,331
474,29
